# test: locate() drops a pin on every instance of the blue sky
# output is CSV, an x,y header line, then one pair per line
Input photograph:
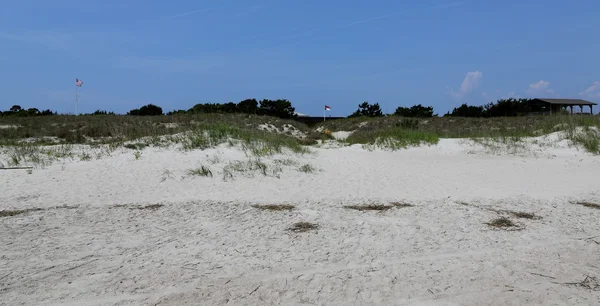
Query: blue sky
x,y
398,53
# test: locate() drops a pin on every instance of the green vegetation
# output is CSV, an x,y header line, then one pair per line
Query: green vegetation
x,y
30,136
307,168
255,142
393,138
105,129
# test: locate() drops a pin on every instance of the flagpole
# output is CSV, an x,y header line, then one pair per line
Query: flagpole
x,y
76,101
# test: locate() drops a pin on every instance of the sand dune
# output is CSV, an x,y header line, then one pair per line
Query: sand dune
x,y
96,239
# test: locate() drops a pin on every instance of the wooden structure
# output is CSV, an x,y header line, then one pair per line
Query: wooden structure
x,y
556,105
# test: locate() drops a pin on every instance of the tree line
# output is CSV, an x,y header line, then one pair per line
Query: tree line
x,y
283,108
18,111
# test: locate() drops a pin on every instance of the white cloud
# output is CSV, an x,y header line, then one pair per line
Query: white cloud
x,y
541,87
592,91
471,81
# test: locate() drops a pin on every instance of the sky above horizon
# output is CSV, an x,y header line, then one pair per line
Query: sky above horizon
x,y
175,54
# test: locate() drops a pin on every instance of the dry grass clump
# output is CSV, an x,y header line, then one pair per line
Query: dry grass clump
x,y
589,282
141,207
378,207
151,206
301,227
369,207
518,214
503,223
589,204
524,215
11,213
401,204
275,207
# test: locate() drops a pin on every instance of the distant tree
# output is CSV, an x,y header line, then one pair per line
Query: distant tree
x,y
248,106
214,108
367,110
177,112
501,108
510,107
146,110
277,108
416,111
33,112
102,112
467,111
16,108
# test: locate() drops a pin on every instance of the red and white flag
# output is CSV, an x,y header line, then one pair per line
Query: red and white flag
x,y
78,82
327,108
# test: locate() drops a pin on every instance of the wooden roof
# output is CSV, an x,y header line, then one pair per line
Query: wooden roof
x,y
566,101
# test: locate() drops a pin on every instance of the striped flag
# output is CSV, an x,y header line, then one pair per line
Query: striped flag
x,y
78,82
327,108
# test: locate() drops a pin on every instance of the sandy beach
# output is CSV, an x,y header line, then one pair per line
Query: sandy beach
x,y
141,230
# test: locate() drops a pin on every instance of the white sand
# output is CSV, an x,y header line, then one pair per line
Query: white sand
x,y
208,246
341,135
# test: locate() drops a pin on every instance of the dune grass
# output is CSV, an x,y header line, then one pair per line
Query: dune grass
x,y
43,140
253,141
117,128
396,132
393,138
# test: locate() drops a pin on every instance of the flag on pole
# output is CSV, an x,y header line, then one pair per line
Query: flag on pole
x,y
327,108
78,82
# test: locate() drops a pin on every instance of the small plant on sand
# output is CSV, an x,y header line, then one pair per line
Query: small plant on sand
x,y
166,175
215,158
503,223
137,154
202,171
589,205
369,207
285,162
307,168
85,157
227,174
274,207
301,227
